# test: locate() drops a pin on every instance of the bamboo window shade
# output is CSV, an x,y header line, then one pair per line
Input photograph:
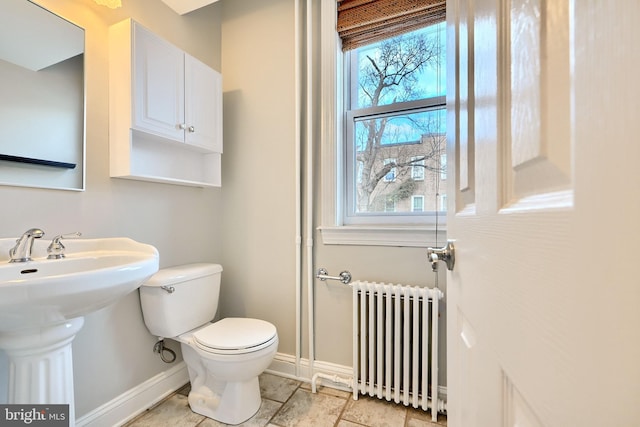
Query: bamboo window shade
x,y
361,22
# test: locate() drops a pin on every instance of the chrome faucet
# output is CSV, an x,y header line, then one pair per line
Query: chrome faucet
x,y
56,248
21,252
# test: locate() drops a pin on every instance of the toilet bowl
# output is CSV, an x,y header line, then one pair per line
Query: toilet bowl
x,y
218,364
224,358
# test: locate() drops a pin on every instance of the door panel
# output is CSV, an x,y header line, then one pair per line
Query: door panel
x,y
517,411
539,141
460,110
466,143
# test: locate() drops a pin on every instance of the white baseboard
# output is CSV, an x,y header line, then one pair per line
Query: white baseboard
x,y
136,400
285,366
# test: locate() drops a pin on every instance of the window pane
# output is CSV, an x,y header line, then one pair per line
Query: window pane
x,y
387,153
395,140
404,68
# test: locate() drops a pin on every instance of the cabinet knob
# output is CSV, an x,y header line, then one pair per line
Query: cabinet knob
x,y
192,129
182,126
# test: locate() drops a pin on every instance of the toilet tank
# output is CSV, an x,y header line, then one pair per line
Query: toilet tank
x,y
178,299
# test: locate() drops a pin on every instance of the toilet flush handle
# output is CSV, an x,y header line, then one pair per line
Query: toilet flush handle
x,y
168,288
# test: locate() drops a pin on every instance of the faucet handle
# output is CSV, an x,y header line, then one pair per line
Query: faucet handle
x,y
56,248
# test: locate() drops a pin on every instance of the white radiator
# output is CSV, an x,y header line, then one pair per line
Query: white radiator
x,y
395,344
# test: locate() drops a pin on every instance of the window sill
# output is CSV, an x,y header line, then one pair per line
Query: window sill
x,y
402,236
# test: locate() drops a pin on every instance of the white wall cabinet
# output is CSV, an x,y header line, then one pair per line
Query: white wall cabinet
x,y
165,111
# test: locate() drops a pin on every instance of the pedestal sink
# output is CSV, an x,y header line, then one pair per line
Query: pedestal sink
x,y
43,303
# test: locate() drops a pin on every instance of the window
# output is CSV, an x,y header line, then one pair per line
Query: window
x,y
417,170
390,204
388,164
395,129
417,203
353,210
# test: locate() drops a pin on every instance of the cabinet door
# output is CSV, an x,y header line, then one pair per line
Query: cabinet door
x,y
203,105
158,87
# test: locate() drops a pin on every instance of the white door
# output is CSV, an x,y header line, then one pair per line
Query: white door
x,y
543,305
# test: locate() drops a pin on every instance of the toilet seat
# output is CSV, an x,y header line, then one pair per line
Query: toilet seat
x,y
234,335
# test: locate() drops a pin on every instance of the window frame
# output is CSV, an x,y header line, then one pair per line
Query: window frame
x,y
332,116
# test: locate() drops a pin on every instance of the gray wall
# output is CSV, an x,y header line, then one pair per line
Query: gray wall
x,y
113,352
258,172
258,66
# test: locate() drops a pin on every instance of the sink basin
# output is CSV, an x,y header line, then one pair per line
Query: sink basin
x,y
94,274
43,303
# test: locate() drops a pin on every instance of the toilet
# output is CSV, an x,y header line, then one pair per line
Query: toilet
x,y
224,358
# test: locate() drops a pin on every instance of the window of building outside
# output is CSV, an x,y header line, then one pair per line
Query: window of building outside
x,y
388,165
417,170
417,203
395,130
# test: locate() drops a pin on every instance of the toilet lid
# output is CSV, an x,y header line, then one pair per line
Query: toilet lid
x,y
235,335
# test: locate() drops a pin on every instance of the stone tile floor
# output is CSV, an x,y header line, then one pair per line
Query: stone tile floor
x,y
287,402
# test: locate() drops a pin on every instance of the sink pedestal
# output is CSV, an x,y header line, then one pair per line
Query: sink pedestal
x,y
41,364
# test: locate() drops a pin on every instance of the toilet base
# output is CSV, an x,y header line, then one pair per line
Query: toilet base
x,y
233,402
225,388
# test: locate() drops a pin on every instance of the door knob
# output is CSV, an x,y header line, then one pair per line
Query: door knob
x,y
446,253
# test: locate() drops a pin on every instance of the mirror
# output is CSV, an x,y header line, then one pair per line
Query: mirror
x,y
41,98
